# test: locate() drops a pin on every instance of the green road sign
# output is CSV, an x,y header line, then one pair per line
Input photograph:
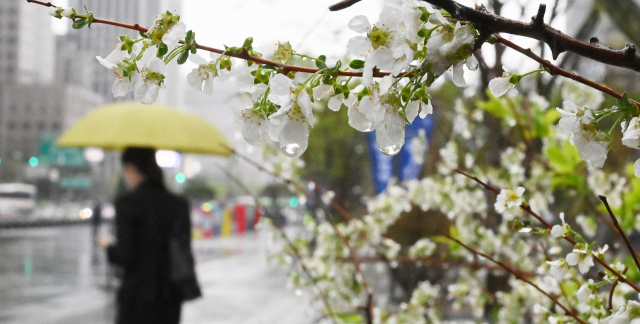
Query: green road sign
x,y
51,154
75,182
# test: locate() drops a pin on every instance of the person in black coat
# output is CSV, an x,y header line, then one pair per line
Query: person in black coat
x,y
146,217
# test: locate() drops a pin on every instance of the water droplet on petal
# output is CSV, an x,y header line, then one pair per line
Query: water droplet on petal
x,y
391,149
292,150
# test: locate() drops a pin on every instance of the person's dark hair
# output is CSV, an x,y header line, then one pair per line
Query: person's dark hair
x,y
144,160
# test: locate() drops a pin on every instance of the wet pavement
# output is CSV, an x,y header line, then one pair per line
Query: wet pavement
x,y
55,276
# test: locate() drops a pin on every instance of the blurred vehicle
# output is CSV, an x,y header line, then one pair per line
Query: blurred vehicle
x,y
17,201
48,212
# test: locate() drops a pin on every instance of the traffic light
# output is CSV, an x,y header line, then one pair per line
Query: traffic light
x,y
33,161
181,178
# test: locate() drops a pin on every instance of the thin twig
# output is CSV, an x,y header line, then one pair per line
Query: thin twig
x,y
519,276
242,55
624,236
613,288
527,208
343,4
555,70
559,42
284,235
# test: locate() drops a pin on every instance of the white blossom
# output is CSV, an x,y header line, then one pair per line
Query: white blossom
x,y
291,123
625,314
558,268
509,199
153,69
254,126
384,46
582,258
174,35
422,248
503,85
201,78
579,123
68,12
584,292
559,230
115,61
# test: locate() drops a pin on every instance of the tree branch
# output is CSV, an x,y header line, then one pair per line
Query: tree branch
x,y
343,4
520,277
624,236
527,208
243,55
613,288
559,42
555,70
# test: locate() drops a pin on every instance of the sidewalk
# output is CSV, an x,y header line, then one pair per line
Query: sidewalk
x,y
238,288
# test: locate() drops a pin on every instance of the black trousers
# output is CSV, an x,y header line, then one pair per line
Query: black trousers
x,y
148,313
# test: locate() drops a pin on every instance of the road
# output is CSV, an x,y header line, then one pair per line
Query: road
x,y
54,276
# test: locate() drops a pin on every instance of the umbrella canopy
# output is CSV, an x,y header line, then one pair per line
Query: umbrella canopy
x,y
130,124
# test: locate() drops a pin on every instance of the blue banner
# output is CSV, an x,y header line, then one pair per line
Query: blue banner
x,y
402,166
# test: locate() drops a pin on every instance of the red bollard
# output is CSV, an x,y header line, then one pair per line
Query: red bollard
x,y
241,218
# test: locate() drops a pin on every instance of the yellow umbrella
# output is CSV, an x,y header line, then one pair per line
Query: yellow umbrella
x,y
131,124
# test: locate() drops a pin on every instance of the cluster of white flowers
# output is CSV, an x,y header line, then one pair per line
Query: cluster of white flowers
x,y
142,57
579,123
414,42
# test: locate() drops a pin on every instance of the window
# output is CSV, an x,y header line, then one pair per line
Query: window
x,y
26,126
41,126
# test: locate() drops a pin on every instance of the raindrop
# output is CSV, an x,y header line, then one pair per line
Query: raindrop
x,y
391,149
292,150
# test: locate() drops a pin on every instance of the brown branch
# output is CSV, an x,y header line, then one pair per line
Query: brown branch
x,y
242,55
520,277
613,288
284,235
555,70
433,261
527,208
343,5
624,236
559,42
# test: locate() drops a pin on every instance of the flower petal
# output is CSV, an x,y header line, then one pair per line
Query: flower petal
x,y
359,24
359,46
304,101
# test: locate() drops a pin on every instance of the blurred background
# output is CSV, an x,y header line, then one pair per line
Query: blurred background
x,y
53,200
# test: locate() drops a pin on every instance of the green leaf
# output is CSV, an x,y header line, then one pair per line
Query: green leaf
x,y
182,58
79,23
320,62
356,64
563,157
350,318
247,43
495,106
162,49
